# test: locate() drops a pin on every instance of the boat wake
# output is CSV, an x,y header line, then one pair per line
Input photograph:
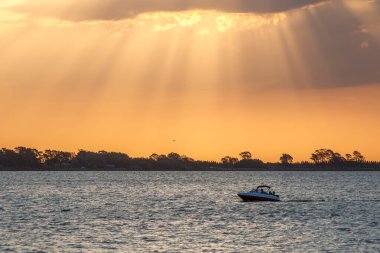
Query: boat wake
x,y
304,200
323,200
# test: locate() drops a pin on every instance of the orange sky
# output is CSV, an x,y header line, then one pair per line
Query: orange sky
x,y
217,79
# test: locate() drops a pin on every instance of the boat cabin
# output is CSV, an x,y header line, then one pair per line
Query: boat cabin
x,y
265,189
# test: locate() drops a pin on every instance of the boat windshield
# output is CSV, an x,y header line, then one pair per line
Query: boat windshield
x,y
262,189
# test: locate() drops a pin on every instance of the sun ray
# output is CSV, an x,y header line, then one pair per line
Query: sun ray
x,y
197,75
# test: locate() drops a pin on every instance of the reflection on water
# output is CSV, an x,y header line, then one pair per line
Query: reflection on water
x,y
188,211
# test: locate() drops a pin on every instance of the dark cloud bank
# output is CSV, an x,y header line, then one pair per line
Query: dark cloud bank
x,y
329,39
121,9
330,44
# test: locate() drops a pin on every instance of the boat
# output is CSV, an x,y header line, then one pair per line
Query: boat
x,y
261,193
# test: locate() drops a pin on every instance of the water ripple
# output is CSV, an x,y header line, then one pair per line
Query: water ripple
x,y
187,211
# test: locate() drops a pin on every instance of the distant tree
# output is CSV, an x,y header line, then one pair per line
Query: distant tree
x,y
348,157
245,155
89,159
337,158
322,156
53,157
162,157
154,157
358,157
28,157
226,160
116,159
187,159
8,157
250,163
229,161
234,160
101,159
286,159
318,156
326,156
174,156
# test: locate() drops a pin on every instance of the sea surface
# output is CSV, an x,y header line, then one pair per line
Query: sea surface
x,y
188,212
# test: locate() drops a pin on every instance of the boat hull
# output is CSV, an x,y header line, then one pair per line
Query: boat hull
x,y
258,197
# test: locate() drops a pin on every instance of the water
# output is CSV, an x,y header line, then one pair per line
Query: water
x,y
188,211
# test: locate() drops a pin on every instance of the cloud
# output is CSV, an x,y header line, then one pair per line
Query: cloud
x,y
122,9
364,44
326,48
334,45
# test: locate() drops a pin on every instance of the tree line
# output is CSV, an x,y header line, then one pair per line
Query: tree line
x,y
30,158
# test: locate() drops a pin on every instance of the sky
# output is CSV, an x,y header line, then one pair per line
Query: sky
x,y
217,76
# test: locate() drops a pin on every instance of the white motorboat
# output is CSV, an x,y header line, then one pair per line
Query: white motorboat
x,y
261,193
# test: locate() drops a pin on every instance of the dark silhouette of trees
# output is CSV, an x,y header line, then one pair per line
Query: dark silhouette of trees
x,y
229,161
101,159
245,155
87,159
174,161
327,156
337,158
358,157
286,159
321,156
187,159
8,158
245,162
174,156
348,157
21,157
154,157
54,157
28,158
250,163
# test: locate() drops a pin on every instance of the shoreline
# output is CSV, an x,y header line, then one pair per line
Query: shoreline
x,y
196,170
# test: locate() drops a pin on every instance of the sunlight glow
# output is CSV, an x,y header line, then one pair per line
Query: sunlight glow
x,y
205,78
